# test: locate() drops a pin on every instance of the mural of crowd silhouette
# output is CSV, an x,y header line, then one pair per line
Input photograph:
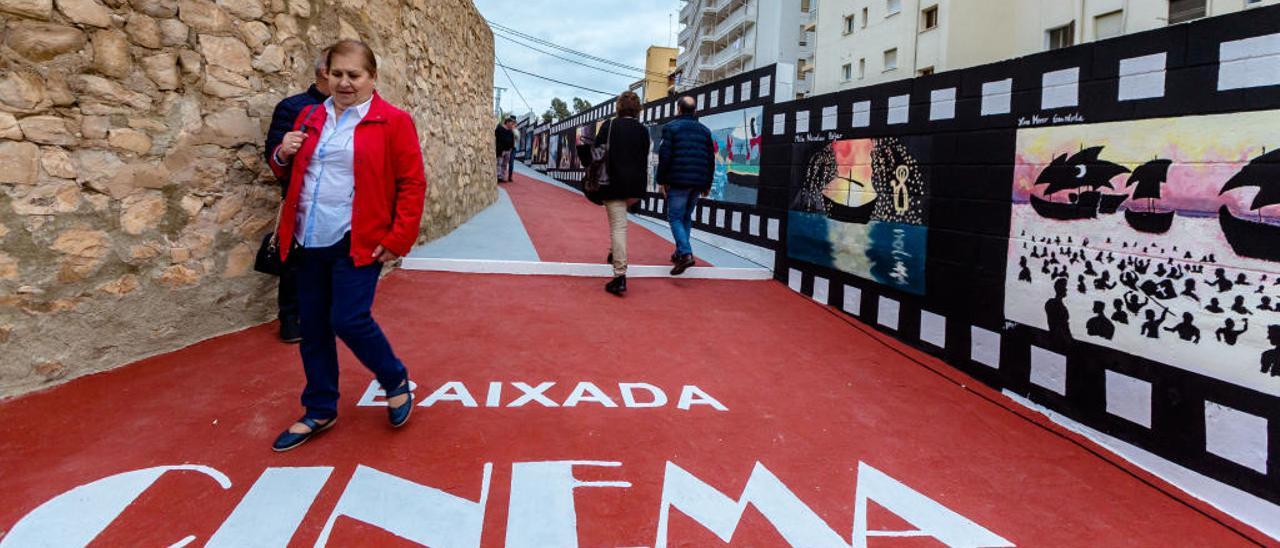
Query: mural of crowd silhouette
x,y
1151,286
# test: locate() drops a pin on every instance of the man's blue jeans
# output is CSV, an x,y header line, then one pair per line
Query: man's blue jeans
x,y
681,205
334,298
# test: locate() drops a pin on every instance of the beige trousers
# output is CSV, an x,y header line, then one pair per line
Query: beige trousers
x,y
617,211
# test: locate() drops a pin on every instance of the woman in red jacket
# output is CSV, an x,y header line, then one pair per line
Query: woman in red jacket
x,y
355,202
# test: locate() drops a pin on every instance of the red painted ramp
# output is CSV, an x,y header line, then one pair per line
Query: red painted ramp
x,y
565,227
753,418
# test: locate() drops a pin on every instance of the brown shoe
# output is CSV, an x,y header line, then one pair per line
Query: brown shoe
x,y
682,265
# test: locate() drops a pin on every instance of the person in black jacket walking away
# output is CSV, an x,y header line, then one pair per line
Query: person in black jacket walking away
x,y
282,119
686,165
505,136
627,166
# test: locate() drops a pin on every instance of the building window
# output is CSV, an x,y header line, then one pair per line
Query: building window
x,y
848,24
891,59
862,68
1108,25
1181,11
846,72
926,71
930,15
1061,37
892,7
864,18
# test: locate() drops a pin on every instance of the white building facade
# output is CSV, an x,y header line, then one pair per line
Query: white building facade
x,y
723,38
865,42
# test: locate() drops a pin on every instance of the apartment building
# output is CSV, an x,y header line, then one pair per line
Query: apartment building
x,y
865,42
722,38
659,67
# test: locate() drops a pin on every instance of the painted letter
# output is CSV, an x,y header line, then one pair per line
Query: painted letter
x,y
629,398
76,517
541,511
690,392
450,391
415,512
580,392
933,519
495,395
273,509
533,394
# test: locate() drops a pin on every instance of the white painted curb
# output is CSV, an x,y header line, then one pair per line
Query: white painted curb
x,y
474,266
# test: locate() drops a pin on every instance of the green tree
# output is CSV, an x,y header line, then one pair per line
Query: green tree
x,y
580,104
560,109
548,116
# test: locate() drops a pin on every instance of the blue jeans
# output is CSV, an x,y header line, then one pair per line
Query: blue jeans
x,y
681,205
334,301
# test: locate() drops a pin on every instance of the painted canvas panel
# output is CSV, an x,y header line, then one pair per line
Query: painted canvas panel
x,y
553,151
860,208
737,147
1160,238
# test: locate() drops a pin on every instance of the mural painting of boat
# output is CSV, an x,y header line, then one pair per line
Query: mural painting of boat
x,y
1146,181
845,212
1256,239
1081,176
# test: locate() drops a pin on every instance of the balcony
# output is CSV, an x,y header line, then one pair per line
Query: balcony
x,y
685,34
725,58
686,11
809,22
739,20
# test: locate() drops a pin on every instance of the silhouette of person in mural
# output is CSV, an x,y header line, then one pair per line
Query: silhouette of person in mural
x,y
1131,300
1103,282
1186,330
1024,273
1239,308
1055,311
1189,289
1129,279
1162,290
1242,279
1221,282
1088,269
1160,270
1151,327
1119,316
1080,285
1045,268
1271,358
1099,325
1214,306
1266,304
1228,334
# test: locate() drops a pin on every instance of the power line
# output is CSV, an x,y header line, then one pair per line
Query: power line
x,y
509,30
544,52
513,82
504,67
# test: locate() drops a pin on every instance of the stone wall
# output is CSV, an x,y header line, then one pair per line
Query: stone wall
x,y
132,188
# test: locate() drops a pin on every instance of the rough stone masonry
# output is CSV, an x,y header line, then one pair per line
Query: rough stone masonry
x,y
133,193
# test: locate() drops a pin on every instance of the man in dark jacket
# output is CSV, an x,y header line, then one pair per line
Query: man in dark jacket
x,y
686,165
505,136
282,120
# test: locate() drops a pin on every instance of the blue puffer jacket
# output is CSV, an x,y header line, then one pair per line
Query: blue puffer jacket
x,y
686,157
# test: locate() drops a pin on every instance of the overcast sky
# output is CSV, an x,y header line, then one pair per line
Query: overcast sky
x,y
612,29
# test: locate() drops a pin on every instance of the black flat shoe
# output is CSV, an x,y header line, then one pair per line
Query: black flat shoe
x,y
617,286
288,440
399,415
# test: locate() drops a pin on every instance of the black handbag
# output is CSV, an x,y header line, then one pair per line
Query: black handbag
x,y
268,259
597,176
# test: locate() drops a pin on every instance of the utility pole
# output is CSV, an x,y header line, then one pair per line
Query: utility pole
x,y
497,101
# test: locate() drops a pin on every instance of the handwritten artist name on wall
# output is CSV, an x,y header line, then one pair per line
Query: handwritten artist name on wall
x,y
1159,237
1040,119
860,208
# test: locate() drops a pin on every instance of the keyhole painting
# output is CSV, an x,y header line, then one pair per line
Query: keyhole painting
x,y
1160,238
860,208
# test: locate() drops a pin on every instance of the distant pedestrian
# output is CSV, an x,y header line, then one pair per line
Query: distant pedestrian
x,y
686,167
282,119
627,171
355,202
505,137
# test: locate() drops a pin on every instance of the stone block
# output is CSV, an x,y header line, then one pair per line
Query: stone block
x,y
244,9
204,16
21,90
142,212
162,69
226,52
163,9
9,128
86,12
111,53
47,130
35,9
173,32
131,140
57,163
19,161
144,31
43,41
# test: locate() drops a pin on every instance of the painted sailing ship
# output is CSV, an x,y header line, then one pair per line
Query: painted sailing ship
x,y
1146,181
1081,176
846,213
1256,239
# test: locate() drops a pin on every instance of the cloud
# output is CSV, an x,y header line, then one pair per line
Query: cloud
x,y
611,29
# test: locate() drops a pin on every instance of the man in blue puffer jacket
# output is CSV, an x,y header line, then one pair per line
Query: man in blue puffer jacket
x,y
686,166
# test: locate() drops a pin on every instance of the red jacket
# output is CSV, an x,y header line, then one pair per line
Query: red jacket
x,y
391,185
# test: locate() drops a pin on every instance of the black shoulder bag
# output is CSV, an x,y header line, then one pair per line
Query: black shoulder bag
x,y
597,176
268,259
